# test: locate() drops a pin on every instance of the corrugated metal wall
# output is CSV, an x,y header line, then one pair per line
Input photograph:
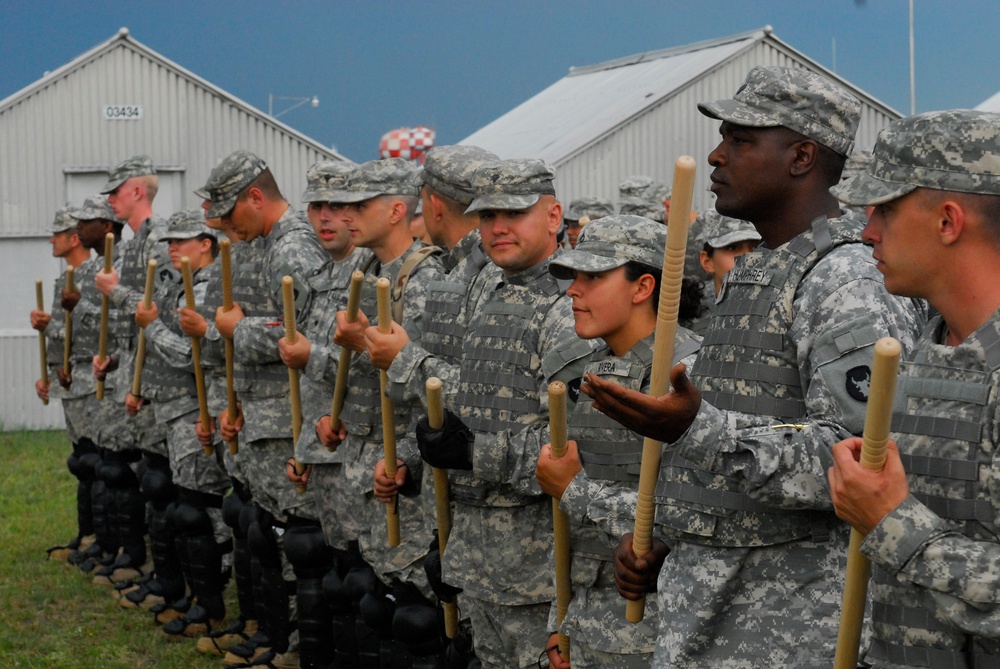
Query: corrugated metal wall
x,y
58,127
651,142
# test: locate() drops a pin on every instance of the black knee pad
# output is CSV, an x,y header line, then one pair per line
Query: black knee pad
x,y
157,486
232,506
336,594
73,464
248,516
262,543
87,464
190,520
377,611
358,581
416,626
117,475
308,551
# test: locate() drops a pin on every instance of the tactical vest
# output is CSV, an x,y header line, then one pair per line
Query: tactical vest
x,y
444,325
498,382
945,419
748,364
161,380
362,411
135,255
252,290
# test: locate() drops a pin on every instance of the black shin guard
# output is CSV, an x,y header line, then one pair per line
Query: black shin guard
x,y
235,506
312,559
272,602
203,555
417,626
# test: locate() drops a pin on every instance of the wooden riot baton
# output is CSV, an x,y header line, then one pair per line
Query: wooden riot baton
x,y
40,299
388,413
442,503
227,304
560,521
199,373
878,416
68,339
294,391
140,351
102,346
663,354
344,365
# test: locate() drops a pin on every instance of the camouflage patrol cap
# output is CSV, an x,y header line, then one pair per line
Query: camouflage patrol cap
x,y
136,166
202,193
95,208
511,184
796,99
388,176
721,231
187,224
450,169
63,220
591,207
326,181
636,206
956,150
611,242
856,163
643,187
228,179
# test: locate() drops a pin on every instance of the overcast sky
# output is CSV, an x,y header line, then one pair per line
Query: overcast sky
x,y
456,66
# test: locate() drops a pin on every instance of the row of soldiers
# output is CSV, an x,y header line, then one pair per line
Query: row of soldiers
x,y
760,453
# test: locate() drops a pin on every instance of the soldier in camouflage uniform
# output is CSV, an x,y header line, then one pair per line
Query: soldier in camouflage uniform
x,y
326,623
446,191
280,242
930,516
201,538
382,196
615,270
131,188
74,399
200,322
519,338
591,207
94,220
755,573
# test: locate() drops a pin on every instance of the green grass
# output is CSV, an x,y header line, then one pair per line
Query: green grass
x,y
51,615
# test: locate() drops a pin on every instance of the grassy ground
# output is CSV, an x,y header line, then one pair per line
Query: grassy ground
x,y
51,615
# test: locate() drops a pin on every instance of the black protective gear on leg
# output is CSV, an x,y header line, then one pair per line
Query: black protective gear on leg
x,y
272,603
311,558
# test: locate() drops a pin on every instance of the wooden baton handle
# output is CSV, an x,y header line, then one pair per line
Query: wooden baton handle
x,y
199,373
102,345
560,521
68,339
294,390
878,416
388,414
344,364
225,252
40,300
663,354
442,502
140,351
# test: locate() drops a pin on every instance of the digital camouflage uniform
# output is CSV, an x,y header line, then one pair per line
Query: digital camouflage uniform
x,y
935,556
600,500
520,338
755,573
200,535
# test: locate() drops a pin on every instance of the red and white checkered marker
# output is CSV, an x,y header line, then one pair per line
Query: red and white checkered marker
x,y
408,143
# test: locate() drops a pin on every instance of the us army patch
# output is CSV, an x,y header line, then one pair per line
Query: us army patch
x,y
573,389
858,382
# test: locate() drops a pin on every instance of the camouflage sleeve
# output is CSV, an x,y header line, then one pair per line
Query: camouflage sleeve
x,y
610,508
837,322
415,297
510,457
175,348
410,370
959,575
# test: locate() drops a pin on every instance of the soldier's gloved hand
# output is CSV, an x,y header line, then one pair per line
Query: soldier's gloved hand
x,y
432,567
447,448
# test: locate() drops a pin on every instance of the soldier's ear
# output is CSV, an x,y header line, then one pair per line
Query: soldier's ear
x,y
952,220
804,157
555,215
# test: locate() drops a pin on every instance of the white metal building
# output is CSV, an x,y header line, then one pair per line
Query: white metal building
x,y
58,138
636,115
